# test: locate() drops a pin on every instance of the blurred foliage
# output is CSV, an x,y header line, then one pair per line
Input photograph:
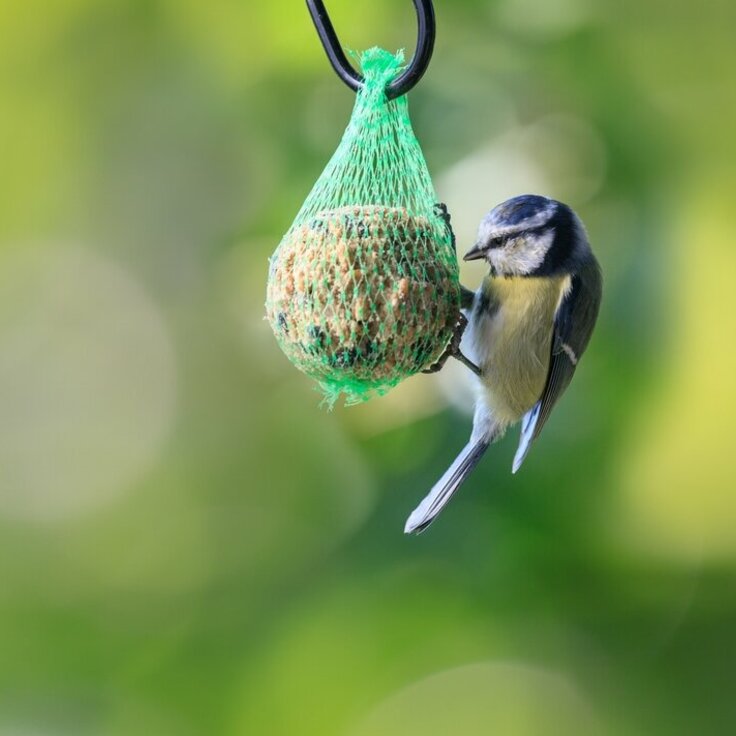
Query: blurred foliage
x,y
189,545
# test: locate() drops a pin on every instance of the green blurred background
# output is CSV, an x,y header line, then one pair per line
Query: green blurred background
x,y
190,545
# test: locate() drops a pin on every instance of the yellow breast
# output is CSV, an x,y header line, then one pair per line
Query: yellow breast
x,y
511,335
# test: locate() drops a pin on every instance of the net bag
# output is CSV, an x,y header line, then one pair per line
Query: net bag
x,y
363,288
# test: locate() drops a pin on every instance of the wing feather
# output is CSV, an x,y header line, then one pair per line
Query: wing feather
x,y
574,321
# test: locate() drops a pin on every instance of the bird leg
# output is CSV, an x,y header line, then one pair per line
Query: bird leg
x,y
453,350
466,300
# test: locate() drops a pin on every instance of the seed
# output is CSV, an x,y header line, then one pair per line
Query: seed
x,y
403,288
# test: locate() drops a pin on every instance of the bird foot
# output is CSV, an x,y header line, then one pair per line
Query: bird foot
x,y
453,350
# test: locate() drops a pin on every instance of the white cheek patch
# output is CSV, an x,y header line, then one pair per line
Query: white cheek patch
x,y
522,256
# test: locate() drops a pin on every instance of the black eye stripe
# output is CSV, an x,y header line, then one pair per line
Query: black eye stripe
x,y
501,241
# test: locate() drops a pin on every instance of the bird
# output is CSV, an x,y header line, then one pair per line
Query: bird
x,y
526,329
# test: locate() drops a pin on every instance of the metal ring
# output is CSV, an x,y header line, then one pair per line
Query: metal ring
x,y
408,78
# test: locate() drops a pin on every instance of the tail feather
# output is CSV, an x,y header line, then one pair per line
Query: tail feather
x,y
528,425
444,489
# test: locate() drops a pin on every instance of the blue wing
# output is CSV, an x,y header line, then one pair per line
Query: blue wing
x,y
574,322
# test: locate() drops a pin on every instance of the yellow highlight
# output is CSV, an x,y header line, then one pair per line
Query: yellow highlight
x,y
679,488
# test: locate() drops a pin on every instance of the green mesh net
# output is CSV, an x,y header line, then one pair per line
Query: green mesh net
x,y
363,289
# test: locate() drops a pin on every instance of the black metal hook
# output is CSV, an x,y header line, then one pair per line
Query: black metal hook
x,y
408,78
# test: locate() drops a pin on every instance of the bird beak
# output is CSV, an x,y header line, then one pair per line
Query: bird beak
x,y
475,253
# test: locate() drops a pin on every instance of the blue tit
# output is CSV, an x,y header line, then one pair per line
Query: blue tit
x,y
527,328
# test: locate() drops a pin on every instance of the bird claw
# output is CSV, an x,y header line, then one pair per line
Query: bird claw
x,y
440,210
453,350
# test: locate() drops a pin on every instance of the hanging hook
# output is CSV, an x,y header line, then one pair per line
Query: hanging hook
x,y
408,78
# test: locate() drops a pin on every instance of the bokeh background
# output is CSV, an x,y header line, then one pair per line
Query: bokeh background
x,y
190,545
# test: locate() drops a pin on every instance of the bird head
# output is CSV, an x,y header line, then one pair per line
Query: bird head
x,y
528,235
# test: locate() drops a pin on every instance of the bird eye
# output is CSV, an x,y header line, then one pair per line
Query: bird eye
x,y
496,242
